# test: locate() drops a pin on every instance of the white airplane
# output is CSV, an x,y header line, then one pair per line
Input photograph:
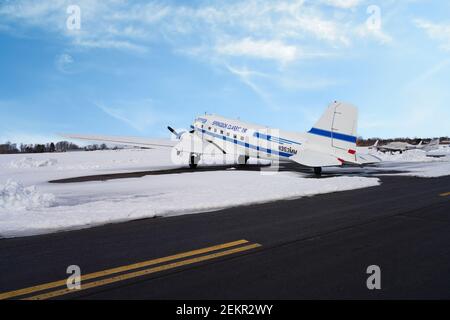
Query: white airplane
x,y
433,145
398,146
331,142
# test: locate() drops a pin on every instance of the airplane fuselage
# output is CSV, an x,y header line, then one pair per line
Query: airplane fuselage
x,y
241,138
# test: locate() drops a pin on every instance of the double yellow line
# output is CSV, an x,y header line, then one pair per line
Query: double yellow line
x,y
126,272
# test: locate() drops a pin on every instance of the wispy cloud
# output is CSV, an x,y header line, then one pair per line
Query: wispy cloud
x,y
64,63
274,28
373,33
139,115
262,49
436,31
246,76
427,75
344,4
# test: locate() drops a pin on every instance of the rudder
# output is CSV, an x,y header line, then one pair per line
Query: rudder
x,y
337,127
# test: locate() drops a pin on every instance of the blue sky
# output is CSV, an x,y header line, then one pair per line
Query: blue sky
x,y
134,67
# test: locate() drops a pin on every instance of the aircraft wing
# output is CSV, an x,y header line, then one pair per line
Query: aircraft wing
x,y
187,143
127,141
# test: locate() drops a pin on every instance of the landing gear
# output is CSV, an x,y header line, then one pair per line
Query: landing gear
x,y
193,161
318,171
242,160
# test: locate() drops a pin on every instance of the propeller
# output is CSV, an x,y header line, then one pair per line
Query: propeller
x,y
178,135
172,130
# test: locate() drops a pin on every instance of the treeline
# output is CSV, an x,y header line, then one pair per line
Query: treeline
x,y
65,146
371,141
62,146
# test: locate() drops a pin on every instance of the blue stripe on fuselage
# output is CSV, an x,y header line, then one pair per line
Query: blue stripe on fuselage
x,y
334,135
245,144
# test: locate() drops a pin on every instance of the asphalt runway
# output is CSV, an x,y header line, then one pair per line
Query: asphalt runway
x,y
281,167
311,248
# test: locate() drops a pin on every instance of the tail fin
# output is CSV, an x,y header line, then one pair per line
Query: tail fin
x,y
434,142
375,145
337,127
332,140
433,145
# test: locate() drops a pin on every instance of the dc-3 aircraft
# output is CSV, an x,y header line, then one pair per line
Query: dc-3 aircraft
x,y
331,142
397,146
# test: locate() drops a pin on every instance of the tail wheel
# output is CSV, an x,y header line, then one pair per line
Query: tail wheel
x,y
318,171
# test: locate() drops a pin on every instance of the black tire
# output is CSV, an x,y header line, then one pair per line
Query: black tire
x,y
192,163
245,158
318,171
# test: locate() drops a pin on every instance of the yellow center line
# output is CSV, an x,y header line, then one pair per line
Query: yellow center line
x,y
140,273
445,194
107,272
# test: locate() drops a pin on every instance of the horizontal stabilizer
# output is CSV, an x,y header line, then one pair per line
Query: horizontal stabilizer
x,y
366,159
311,158
127,141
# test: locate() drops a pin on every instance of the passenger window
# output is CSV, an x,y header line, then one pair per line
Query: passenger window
x,y
235,136
221,131
228,134
242,138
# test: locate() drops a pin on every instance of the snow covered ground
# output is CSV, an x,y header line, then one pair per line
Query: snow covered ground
x,y
416,163
30,205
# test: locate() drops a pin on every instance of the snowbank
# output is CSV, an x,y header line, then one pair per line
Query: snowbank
x,y
83,205
15,197
32,163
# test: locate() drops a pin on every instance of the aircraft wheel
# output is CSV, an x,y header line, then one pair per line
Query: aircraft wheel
x,y
242,160
193,161
318,171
